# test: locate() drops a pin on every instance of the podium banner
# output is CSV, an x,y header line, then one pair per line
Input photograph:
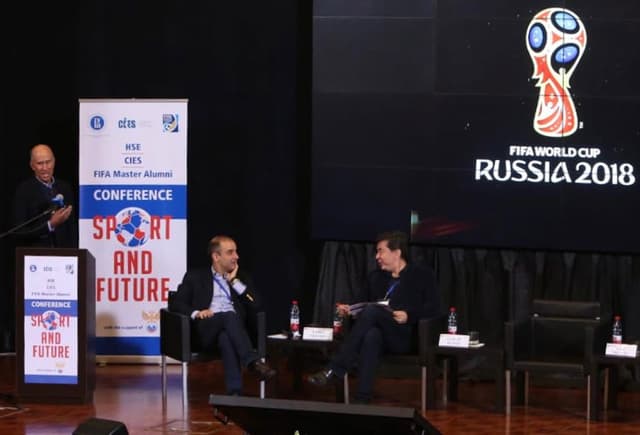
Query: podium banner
x,y
50,320
133,211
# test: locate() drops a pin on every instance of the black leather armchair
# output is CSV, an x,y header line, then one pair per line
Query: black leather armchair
x,y
177,342
558,337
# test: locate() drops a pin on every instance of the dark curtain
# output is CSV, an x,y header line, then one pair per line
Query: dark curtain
x,y
488,287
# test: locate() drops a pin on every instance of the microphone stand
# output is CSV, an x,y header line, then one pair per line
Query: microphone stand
x,y
25,223
8,397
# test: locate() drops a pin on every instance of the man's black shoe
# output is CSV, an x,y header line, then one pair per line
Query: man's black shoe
x,y
324,378
263,370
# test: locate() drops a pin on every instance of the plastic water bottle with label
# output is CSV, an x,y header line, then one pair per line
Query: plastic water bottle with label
x,y
616,331
295,319
452,321
337,321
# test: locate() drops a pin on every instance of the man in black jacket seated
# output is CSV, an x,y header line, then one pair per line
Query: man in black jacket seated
x,y
219,299
406,293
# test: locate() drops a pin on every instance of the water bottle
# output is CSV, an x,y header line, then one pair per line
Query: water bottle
x,y
295,319
452,321
337,321
616,332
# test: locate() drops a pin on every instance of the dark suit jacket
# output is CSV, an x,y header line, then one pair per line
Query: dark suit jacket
x,y
32,198
196,291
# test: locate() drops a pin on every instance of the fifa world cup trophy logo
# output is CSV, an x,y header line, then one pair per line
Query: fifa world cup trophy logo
x,y
556,40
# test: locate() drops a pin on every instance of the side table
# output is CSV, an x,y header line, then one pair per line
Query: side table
x,y
296,351
450,356
610,365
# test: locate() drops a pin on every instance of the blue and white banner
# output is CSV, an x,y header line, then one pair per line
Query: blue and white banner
x,y
133,215
50,320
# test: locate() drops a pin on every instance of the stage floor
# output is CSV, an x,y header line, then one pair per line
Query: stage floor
x,y
132,395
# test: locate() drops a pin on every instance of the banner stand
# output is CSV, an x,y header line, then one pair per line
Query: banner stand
x,y
132,205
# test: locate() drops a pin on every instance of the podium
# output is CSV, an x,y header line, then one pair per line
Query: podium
x,y
55,325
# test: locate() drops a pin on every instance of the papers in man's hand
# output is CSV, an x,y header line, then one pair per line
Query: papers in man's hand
x,y
355,309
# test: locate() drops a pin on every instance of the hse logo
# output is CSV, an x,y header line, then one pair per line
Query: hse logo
x,y
96,122
170,123
556,40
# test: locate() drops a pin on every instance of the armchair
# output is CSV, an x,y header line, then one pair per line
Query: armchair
x,y
557,337
177,342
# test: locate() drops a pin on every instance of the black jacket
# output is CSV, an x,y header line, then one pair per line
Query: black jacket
x,y
33,198
196,291
416,292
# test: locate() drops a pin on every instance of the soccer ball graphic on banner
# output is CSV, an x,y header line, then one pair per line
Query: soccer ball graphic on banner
x,y
132,228
50,320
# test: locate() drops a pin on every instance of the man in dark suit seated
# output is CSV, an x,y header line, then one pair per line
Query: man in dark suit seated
x,y
35,196
218,299
405,293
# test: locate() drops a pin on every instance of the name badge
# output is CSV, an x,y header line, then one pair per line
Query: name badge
x,y
623,350
453,340
317,334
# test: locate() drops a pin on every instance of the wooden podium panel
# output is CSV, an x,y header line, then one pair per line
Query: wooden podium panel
x,y
55,325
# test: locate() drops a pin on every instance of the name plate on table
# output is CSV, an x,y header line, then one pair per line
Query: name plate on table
x,y
454,340
619,349
317,334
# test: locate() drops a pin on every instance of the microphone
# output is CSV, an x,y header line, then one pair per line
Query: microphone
x,y
57,202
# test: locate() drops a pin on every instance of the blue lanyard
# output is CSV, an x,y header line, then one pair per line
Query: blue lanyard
x,y
392,287
224,290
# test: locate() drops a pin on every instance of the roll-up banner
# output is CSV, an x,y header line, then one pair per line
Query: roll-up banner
x,y
133,216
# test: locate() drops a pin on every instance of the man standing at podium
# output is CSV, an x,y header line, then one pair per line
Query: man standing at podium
x,y
220,299
43,219
402,294
42,198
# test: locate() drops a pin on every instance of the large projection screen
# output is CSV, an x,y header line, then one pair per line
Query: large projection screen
x,y
487,123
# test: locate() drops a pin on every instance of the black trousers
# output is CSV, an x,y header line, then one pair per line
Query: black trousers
x,y
225,331
374,333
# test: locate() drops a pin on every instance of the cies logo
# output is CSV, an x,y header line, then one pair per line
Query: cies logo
x,y
96,122
170,123
132,227
556,40
126,123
